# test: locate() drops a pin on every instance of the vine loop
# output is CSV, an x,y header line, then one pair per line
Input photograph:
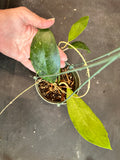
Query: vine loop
x,y
85,64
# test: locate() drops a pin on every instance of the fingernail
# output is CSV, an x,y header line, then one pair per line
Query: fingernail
x,y
62,65
64,58
53,19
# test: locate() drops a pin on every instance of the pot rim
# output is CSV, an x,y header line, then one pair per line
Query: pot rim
x,y
50,102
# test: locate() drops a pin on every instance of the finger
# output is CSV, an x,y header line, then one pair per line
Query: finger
x,y
36,21
62,64
28,64
63,56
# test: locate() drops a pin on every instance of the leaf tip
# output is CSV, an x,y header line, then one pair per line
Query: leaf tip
x,y
77,28
108,145
110,148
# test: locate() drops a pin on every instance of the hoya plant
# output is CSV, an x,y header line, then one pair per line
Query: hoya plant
x,y
46,62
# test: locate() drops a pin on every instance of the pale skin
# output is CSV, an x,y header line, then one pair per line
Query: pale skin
x,y
18,27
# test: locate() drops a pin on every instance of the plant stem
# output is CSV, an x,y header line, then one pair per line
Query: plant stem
x,y
107,60
98,58
85,64
107,54
102,68
89,66
18,97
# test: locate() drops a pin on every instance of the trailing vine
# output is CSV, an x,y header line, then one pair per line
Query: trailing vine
x,y
85,64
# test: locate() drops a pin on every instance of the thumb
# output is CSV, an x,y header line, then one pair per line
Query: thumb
x,y
33,19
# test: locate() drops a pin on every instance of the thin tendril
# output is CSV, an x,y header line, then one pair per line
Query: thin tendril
x,y
102,68
85,67
85,64
17,97
108,61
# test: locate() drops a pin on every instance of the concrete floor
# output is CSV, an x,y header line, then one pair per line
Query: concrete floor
x,y
31,129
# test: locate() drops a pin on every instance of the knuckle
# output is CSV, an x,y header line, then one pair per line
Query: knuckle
x,y
22,9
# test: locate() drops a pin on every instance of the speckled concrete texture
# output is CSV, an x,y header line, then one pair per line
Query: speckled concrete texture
x,y
31,129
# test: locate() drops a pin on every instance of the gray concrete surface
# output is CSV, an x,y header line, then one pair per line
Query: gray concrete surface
x,y
4,4
31,129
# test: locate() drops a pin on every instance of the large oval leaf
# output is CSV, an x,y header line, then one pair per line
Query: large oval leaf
x,y
86,122
44,54
77,28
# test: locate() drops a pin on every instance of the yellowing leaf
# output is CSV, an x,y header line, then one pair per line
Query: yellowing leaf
x,y
77,28
86,122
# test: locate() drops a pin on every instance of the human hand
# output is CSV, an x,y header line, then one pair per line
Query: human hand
x,y
17,29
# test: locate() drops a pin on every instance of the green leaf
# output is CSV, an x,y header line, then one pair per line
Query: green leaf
x,y
44,54
86,122
77,28
80,45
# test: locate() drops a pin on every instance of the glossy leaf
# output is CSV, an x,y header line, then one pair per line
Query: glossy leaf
x,y
77,28
86,122
80,45
44,54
